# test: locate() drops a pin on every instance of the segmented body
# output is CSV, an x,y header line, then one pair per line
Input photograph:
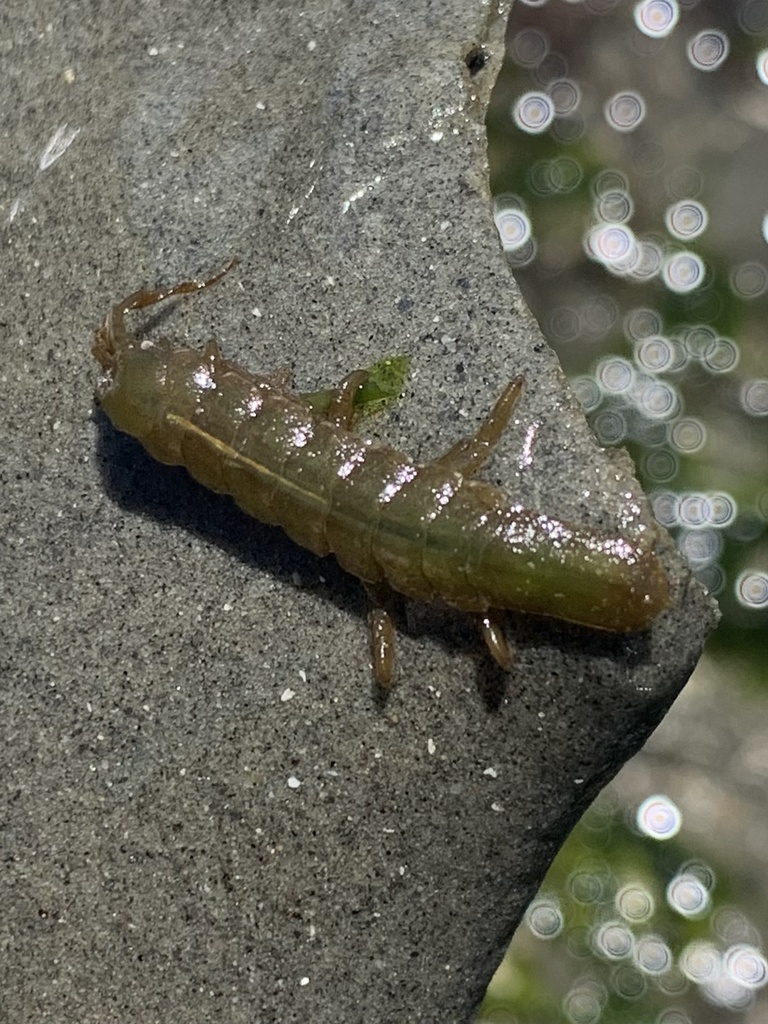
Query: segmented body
x,y
427,531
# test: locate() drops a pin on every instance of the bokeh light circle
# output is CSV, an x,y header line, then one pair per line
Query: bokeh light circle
x,y
655,354
565,95
686,219
700,961
588,393
529,47
722,509
732,925
693,510
610,180
685,182
673,983
610,427
649,433
584,1003
533,112
514,227
625,111
614,205
553,67
658,399
656,18
567,174
635,903
746,965
658,817
754,396
599,316
699,340
752,589
749,280
615,374
564,324
614,245
708,49
650,259
585,887
688,435
683,272
672,1016
652,955
642,323
661,466
545,918
712,577
700,547
688,896
628,983
753,17
665,505
613,940
722,356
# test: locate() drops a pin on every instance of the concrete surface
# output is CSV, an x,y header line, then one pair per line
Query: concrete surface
x,y
207,812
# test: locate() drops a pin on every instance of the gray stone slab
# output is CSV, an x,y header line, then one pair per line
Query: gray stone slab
x,y
208,813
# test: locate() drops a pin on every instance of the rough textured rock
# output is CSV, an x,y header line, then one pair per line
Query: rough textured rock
x,y
179,838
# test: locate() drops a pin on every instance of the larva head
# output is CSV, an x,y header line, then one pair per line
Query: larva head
x,y
132,388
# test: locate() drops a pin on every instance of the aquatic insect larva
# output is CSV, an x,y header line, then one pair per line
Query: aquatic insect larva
x,y
427,531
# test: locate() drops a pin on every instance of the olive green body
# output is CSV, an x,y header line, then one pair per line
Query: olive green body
x,y
428,531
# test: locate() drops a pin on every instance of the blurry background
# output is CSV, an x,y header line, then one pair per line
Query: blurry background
x,y
629,161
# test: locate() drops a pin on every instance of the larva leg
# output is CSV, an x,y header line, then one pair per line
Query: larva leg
x,y
144,297
281,379
468,456
341,411
382,646
492,628
382,627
